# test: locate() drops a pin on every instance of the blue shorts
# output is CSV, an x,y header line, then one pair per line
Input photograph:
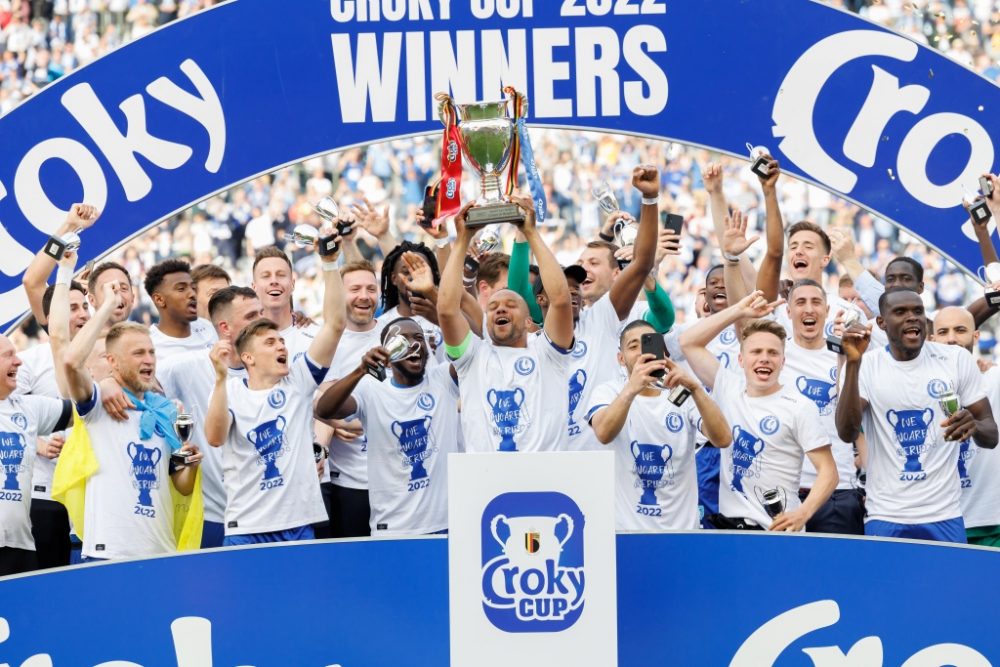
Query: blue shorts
x,y
212,534
707,459
290,535
951,530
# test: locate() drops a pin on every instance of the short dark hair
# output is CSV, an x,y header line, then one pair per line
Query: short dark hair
x,y
269,251
101,268
806,226
893,290
634,324
253,330
51,289
918,270
610,247
225,297
805,282
156,274
208,272
491,266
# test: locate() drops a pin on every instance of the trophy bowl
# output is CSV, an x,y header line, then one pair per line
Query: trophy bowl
x,y
487,133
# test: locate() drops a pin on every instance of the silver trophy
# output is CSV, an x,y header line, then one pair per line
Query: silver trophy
x,y
184,427
330,213
57,246
486,241
398,347
759,157
979,210
949,403
773,501
605,197
487,133
304,235
990,274
835,343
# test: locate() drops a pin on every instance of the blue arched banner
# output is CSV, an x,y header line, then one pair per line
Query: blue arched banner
x,y
251,85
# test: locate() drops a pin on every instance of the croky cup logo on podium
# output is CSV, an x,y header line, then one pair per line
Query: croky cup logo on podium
x,y
531,557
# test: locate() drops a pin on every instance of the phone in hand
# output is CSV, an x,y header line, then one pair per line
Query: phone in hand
x,y
673,222
430,206
652,343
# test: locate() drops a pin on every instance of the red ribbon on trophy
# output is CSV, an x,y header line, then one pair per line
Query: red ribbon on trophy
x,y
449,196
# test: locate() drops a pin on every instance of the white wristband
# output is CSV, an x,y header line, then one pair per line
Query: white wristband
x,y
734,259
330,266
650,201
442,243
64,275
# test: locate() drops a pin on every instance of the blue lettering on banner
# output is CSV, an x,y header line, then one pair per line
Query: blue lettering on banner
x,y
911,427
145,472
268,440
533,567
11,459
819,392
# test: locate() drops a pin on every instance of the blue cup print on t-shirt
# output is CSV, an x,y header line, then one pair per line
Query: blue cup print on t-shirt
x,y
746,448
144,470
577,383
911,428
269,440
414,438
11,459
653,468
819,392
507,415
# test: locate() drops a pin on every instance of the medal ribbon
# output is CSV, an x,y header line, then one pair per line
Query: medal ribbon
x,y
449,200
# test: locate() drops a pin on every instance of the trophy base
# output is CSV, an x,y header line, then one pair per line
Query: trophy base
x,y
980,212
760,167
834,344
493,214
993,299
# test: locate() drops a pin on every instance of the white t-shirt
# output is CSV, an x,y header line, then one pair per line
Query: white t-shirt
x,y
190,378
202,337
725,347
512,397
911,468
411,431
979,469
349,458
813,373
298,340
656,480
771,434
592,362
267,461
37,376
128,512
22,419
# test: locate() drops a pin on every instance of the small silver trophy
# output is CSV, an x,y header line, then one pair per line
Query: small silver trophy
x,y
605,197
990,274
184,427
485,242
835,343
398,348
949,403
759,158
773,501
57,246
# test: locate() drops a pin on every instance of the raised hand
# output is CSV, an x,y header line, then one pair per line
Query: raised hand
x,y
959,426
677,376
774,171
221,356
527,205
755,306
642,376
377,357
669,244
646,179
712,177
791,522
419,277
373,221
842,243
855,341
81,216
734,239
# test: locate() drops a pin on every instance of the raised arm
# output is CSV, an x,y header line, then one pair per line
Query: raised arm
x,y
334,312
625,289
712,176
519,276
559,319
850,405
713,423
376,223
218,419
734,247
609,421
336,402
79,382
36,276
770,268
454,327
59,317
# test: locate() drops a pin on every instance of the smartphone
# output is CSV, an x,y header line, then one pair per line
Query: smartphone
x,y
673,223
430,206
652,343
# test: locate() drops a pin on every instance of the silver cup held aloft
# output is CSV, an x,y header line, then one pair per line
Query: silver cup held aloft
x,y
184,428
835,343
605,197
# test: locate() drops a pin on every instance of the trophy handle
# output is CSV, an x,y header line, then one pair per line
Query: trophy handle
x,y
491,398
427,424
758,494
519,397
670,453
443,99
280,423
155,455
494,524
129,450
928,416
396,429
632,446
569,528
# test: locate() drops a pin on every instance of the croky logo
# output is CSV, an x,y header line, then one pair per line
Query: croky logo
x,y
533,562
